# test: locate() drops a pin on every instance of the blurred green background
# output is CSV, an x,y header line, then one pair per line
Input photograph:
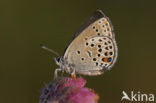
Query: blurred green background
x,y
25,24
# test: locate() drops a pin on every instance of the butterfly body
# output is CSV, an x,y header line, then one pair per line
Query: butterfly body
x,y
93,48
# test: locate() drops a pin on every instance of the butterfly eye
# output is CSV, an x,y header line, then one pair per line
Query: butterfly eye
x,y
58,59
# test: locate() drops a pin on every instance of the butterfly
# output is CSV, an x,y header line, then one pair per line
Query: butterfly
x,y
93,48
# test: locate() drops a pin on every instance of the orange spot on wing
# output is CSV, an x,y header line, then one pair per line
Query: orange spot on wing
x,y
105,60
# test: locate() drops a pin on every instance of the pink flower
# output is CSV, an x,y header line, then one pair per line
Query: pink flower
x,y
67,90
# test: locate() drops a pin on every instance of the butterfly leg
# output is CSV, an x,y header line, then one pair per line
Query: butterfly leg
x,y
56,71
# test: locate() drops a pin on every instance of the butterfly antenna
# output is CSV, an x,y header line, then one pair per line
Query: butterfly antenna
x,y
48,49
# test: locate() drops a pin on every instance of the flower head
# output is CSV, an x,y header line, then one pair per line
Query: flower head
x,y
67,90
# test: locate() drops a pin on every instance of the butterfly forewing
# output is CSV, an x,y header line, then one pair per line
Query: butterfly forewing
x,y
94,48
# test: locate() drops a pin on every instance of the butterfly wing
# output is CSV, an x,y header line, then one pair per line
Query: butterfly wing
x,y
84,50
91,19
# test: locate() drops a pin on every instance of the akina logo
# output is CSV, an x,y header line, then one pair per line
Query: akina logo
x,y
138,96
